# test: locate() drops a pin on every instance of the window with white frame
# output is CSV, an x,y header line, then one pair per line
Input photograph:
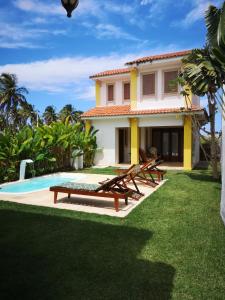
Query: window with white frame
x,y
170,86
110,92
126,91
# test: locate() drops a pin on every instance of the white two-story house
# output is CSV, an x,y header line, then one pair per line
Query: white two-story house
x,y
138,107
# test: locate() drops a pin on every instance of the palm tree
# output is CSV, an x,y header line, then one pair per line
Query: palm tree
x,y
49,115
203,77
26,115
68,111
215,24
11,97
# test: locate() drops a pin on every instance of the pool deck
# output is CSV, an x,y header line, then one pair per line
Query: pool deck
x,y
101,206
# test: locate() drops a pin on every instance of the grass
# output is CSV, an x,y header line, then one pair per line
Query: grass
x,y
172,246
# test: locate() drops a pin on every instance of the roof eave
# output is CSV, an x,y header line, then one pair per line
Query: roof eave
x,y
197,112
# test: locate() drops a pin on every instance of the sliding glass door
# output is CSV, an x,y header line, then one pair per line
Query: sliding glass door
x,y
169,143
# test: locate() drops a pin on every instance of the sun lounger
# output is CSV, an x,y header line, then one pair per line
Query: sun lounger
x,y
115,188
150,165
151,168
136,174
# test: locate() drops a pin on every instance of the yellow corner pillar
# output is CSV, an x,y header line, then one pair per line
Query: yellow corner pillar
x,y
87,126
133,88
98,92
134,141
188,97
187,143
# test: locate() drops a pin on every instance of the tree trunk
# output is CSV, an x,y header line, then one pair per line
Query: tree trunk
x,y
213,143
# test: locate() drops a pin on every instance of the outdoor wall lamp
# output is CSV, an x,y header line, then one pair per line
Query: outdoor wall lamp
x,y
69,6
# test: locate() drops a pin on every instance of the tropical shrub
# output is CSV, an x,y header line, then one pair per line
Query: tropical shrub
x,y
50,147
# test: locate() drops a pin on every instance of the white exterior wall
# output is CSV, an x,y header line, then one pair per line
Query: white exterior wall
x,y
222,210
117,81
159,100
107,140
158,121
107,136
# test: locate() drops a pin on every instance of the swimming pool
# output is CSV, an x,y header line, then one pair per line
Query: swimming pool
x,y
38,183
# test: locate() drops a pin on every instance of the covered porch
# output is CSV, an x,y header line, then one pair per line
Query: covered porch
x,y
173,143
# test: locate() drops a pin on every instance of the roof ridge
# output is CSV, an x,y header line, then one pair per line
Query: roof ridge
x,y
159,56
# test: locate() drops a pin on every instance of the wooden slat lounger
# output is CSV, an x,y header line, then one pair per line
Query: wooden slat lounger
x,y
136,174
115,189
150,165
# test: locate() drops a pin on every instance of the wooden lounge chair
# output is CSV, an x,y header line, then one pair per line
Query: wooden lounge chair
x,y
150,165
136,174
151,168
115,188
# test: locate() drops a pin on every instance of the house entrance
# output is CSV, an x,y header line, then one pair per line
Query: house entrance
x,y
124,145
169,143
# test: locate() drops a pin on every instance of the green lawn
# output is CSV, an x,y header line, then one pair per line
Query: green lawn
x,y
172,246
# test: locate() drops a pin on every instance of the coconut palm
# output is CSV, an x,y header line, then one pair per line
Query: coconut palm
x,y
11,97
68,111
215,24
203,77
49,115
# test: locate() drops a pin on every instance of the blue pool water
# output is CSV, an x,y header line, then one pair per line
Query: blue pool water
x,y
38,184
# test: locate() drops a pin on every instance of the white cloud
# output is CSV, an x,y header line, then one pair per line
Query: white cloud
x,y
39,7
70,74
197,12
22,36
109,31
146,2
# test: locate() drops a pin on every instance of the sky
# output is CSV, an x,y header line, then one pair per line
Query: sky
x,y
53,56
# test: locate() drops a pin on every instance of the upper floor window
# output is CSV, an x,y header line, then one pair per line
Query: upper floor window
x,y
148,84
126,91
170,87
110,92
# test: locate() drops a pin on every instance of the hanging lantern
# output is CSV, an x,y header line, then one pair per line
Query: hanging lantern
x,y
69,6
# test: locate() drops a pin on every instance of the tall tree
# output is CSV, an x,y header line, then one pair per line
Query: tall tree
x,y
11,98
203,77
68,111
215,24
49,115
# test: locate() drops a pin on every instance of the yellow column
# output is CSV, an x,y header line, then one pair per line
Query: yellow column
x,y
133,88
87,126
98,92
188,97
134,141
187,143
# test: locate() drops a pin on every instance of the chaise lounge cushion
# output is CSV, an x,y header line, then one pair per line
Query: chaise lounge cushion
x,y
80,186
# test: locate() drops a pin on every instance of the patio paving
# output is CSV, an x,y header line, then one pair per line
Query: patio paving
x,y
101,206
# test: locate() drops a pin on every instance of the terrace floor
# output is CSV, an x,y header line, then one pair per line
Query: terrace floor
x,y
102,206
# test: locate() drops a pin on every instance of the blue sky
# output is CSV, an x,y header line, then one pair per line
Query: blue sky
x,y
53,56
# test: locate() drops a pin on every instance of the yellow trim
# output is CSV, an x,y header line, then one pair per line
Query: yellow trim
x,y
87,126
188,99
187,143
134,141
98,92
133,88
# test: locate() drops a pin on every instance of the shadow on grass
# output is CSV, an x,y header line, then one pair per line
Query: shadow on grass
x,y
51,257
200,175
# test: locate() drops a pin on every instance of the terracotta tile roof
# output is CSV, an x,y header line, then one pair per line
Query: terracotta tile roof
x,y
158,57
111,72
125,110
140,60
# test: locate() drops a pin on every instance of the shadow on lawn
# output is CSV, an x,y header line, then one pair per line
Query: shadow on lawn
x,y
200,175
49,257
